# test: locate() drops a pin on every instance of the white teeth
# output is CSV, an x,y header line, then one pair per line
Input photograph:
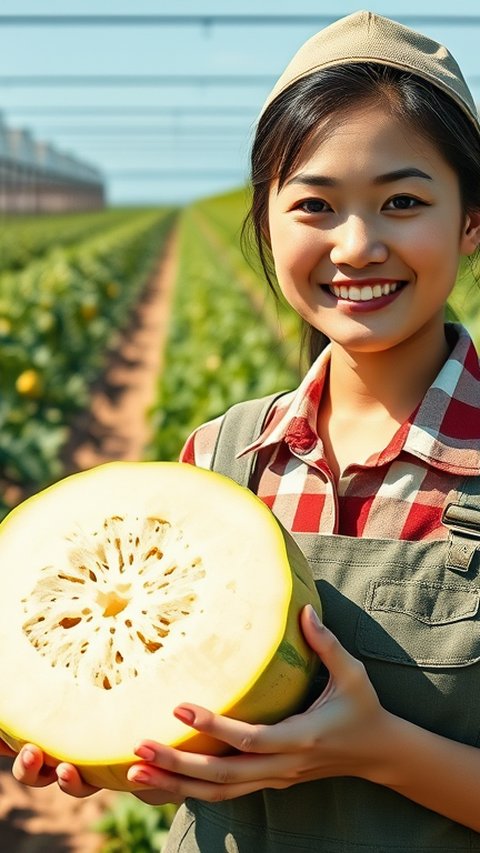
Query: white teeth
x,y
357,293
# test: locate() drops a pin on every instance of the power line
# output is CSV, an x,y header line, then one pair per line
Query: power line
x,y
191,174
174,111
60,80
207,21
128,130
152,145
36,80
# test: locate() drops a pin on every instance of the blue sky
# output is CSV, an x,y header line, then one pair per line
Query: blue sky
x,y
154,142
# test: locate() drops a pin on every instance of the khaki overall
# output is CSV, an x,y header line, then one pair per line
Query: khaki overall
x,y
410,612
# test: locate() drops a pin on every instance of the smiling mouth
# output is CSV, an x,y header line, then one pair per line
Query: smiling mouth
x,y
364,293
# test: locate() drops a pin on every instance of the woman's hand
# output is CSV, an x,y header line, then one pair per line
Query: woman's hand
x,y
28,766
30,769
339,735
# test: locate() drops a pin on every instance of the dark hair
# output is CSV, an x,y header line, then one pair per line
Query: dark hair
x,y
290,122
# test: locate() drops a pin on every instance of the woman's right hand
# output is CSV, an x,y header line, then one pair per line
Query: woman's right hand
x,y
30,769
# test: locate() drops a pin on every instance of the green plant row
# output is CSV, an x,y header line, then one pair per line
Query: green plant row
x,y
24,238
220,348
464,302
132,826
226,215
58,319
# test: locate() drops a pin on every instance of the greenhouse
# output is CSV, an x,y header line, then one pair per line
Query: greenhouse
x,y
35,177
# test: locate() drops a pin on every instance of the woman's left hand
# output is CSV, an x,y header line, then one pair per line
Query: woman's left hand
x,y
340,734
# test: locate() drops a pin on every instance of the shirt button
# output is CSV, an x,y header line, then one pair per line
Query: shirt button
x,y
300,437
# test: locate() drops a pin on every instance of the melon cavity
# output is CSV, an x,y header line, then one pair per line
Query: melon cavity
x,y
124,586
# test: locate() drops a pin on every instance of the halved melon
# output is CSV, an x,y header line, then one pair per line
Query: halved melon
x,y
132,587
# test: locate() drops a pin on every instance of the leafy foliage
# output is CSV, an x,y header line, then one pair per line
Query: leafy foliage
x,y
131,826
27,237
59,316
464,303
226,340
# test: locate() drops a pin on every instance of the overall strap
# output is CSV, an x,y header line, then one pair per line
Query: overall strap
x,y
241,424
462,517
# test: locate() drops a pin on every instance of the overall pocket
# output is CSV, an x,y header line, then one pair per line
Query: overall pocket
x,y
420,623
420,641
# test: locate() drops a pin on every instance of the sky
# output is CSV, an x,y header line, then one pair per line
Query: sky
x,y
167,141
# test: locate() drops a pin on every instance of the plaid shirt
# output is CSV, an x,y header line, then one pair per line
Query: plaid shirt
x,y
398,493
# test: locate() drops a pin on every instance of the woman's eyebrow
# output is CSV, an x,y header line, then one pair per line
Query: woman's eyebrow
x,y
387,178
399,174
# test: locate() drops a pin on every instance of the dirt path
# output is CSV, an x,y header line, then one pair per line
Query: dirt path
x,y
116,426
34,820
46,820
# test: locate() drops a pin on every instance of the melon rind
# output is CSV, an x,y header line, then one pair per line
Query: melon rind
x,y
276,689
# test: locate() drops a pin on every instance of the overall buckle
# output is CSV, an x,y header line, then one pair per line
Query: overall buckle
x,y
463,523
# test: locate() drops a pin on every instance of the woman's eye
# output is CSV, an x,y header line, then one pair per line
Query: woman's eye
x,y
314,205
403,202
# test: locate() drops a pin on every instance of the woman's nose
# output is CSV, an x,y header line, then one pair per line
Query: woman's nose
x,y
357,243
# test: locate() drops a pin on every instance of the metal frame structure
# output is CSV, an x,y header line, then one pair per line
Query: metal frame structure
x,y
37,178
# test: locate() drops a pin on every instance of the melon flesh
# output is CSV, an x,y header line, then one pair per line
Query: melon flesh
x,y
132,587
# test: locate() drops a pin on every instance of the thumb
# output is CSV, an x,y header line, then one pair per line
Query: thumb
x,y
330,651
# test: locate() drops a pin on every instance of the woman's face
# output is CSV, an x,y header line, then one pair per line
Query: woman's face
x,y
367,233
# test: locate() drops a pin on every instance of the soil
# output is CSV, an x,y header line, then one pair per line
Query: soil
x,y
116,425
34,820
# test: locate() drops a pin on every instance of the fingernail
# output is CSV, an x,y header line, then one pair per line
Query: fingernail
x,y
64,775
28,758
145,752
185,715
139,776
314,617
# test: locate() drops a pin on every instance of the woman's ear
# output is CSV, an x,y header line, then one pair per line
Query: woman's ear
x,y
470,239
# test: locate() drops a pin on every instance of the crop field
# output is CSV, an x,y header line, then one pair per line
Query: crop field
x,y
67,287
59,315
23,239
464,304
229,338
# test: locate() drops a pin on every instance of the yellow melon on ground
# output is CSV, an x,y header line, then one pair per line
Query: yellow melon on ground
x,y
132,587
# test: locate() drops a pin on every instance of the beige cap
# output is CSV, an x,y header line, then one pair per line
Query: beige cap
x,y
364,37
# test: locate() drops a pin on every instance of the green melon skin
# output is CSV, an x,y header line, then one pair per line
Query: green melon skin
x,y
207,654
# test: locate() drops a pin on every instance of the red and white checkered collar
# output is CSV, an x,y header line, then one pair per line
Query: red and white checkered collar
x,y
444,430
